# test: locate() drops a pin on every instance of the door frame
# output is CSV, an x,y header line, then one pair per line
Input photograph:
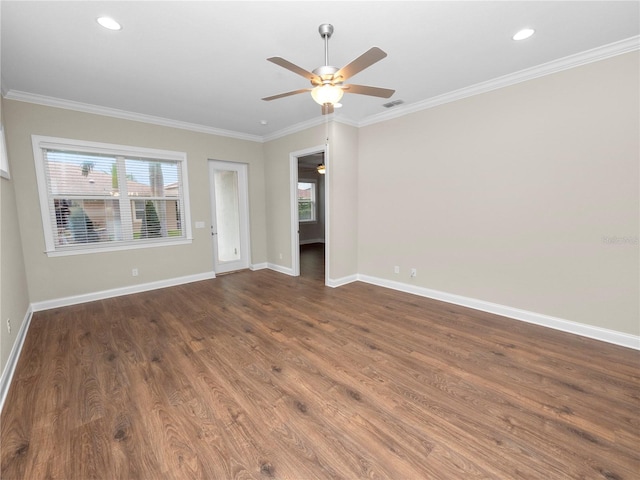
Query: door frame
x,y
243,206
295,228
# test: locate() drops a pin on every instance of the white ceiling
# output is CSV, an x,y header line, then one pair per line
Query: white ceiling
x,y
205,62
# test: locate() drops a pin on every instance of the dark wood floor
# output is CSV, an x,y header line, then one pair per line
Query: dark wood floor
x,y
261,375
312,261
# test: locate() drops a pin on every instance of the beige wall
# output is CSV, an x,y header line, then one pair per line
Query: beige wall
x,y
14,296
526,197
522,196
342,173
278,201
341,204
59,277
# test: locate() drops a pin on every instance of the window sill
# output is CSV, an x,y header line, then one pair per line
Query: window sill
x,y
116,248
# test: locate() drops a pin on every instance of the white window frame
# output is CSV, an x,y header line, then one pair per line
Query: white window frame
x,y
41,143
314,202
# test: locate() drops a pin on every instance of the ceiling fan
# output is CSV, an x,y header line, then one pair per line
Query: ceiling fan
x,y
328,82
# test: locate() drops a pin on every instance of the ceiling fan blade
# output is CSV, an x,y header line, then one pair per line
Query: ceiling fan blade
x,y
327,108
286,94
366,90
292,67
368,58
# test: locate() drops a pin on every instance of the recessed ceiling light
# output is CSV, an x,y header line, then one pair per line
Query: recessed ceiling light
x,y
110,23
524,34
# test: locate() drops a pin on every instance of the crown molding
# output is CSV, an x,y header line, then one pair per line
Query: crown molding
x,y
298,127
166,122
565,63
314,122
347,121
125,115
589,56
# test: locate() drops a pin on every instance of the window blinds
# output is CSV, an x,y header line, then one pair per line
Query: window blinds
x,y
97,199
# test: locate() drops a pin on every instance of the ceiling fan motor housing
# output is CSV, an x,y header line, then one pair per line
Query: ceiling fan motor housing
x,y
325,73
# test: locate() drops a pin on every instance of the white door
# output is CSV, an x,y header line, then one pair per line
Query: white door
x,y
230,215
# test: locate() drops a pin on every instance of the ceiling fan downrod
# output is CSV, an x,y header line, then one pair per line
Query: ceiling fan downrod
x,y
326,71
326,30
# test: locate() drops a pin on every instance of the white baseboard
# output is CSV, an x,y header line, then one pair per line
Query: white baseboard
x,y
338,282
258,266
12,361
597,333
117,292
280,269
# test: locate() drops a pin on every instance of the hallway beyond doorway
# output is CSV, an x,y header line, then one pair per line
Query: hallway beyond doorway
x,y
312,261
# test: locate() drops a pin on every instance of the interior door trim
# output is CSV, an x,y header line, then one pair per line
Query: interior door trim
x,y
293,181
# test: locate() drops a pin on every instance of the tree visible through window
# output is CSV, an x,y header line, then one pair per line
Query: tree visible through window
x,y
307,201
97,198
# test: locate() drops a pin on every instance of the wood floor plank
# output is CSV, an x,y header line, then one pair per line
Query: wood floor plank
x,y
260,375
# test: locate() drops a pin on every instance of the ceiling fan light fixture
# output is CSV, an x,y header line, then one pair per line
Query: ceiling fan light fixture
x,y
327,94
321,169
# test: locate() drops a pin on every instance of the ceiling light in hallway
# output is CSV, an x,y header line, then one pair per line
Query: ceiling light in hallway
x,y
109,23
524,34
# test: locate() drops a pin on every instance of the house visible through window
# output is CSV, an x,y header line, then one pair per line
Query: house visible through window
x,y
97,196
307,201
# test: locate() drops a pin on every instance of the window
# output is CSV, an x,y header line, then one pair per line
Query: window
x,y
97,197
307,201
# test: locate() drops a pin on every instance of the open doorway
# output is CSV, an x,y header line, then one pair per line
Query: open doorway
x,y
311,215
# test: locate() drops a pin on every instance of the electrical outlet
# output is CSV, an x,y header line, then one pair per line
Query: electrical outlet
x,y
9,325
396,269
280,256
134,272
414,272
